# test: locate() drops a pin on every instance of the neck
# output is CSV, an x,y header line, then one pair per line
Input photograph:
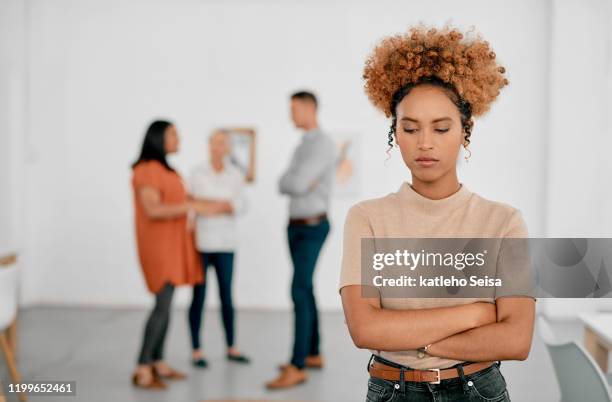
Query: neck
x,y
444,187
217,164
313,125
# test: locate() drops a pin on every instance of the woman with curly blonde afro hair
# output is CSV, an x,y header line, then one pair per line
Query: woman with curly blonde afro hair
x,y
432,84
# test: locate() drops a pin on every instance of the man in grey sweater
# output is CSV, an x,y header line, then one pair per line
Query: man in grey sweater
x,y
307,181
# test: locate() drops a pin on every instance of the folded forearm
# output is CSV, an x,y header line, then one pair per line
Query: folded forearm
x,y
397,330
298,181
290,184
497,341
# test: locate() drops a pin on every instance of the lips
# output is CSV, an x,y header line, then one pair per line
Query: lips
x,y
426,161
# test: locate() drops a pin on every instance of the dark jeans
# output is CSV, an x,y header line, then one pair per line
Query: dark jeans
x,y
157,327
485,385
224,267
305,242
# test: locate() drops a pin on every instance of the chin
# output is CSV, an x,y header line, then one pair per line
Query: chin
x,y
428,180
426,177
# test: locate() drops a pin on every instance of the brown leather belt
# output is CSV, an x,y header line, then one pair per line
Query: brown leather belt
x,y
311,220
434,376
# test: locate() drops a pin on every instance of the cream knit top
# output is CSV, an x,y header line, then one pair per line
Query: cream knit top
x,y
407,214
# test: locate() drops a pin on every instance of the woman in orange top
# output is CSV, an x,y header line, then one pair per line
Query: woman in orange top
x,y
165,245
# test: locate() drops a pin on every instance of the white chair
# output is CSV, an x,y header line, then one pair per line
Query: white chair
x,y
580,378
8,312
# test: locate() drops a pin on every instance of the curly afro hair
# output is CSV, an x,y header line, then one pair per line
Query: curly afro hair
x,y
445,58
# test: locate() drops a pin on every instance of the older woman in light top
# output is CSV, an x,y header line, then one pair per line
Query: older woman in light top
x,y
219,185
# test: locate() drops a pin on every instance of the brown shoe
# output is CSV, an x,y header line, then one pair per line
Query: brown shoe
x,y
289,377
314,362
170,375
154,384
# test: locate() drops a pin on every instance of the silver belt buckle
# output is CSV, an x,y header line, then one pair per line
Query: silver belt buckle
x,y
437,381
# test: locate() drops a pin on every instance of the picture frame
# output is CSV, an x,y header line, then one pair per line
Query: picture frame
x,y
242,153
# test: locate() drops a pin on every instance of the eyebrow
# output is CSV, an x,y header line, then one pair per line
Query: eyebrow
x,y
433,121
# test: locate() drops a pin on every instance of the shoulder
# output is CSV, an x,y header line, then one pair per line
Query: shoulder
x,y
323,146
507,216
362,217
319,140
149,167
152,173
373,207
500,209
326,140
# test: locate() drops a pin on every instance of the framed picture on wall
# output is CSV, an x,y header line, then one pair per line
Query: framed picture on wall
x,y
242,154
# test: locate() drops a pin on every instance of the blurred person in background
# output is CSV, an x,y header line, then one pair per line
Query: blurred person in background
x,y
218,186
166,249
308,182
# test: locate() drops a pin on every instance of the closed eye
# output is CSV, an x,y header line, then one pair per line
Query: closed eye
x,y
437,130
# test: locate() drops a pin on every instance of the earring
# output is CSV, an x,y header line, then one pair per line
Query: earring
x,y
469,155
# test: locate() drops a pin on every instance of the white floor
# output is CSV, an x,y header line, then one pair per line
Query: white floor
x,y
97,349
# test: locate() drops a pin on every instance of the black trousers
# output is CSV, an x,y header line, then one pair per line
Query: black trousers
x,y
305,243
224,268
157,326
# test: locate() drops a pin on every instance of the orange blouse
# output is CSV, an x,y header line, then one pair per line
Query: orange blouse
x,y
166,247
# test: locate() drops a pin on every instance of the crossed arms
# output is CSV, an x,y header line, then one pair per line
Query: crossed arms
x,y
478,331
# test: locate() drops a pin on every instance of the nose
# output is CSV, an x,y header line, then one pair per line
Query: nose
x,y
425,140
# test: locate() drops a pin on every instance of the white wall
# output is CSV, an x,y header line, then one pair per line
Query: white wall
x,y
580,168
13,73
101,70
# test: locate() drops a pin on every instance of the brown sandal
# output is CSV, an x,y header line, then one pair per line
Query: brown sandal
x,y
155,384
172,375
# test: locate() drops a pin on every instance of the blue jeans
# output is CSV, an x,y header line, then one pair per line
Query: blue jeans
x,y
486,385
224,267
305,242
